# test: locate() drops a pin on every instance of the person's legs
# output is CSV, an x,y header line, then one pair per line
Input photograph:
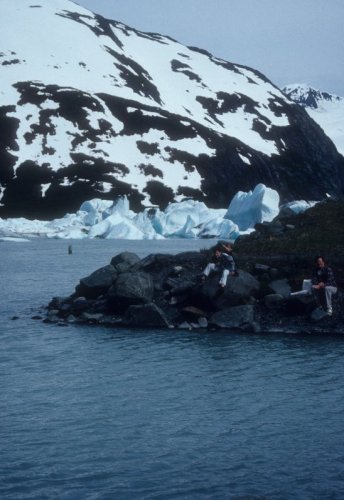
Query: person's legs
x,y
329,291
224,277
210,267
319,295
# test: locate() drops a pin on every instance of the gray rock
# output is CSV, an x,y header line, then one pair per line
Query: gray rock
x,y
280,287
154,262
57,302
193,313
97,283
130,288
261,268
256,328
236,318
82,304
238,290
243,285
122,267
273,300
52,317
203,322
145,315
52,313
100,305
111,320
195,326
318,314
65,308
127,258
185,326
269,228
274,272
71,318
91,317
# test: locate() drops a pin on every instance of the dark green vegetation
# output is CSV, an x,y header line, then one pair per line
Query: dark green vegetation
x,y
298,239
319,229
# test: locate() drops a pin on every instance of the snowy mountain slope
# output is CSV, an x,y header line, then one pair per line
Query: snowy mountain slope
x,y
326,109
92,108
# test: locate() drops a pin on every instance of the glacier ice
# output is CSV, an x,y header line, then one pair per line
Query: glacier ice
x,y
187,219
298,206
259,205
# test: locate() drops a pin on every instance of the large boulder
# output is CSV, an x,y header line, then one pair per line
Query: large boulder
x,y
124,261
80,305
238,290
234,318
130,288
176,273
280,287
154,262
157,265
192,262
274,300
145,315
97,283
242,286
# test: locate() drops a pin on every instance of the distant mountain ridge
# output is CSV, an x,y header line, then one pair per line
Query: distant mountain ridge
x,y
91,108
309,97
325,108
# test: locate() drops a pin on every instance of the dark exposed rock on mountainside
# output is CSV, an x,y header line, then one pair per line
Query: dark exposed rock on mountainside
x,y
107,111
308,97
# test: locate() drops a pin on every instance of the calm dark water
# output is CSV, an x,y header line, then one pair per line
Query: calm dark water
x,y
94,413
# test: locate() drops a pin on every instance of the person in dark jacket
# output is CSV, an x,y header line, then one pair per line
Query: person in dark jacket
x,y
323,285
222,262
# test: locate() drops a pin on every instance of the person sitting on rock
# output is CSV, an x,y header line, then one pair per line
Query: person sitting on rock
x,y
323,285
222,262
225,247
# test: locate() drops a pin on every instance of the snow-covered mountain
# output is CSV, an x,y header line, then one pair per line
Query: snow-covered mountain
x,y
326,109
90,108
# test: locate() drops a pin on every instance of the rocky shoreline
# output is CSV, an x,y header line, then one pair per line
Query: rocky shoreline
x,y
165,291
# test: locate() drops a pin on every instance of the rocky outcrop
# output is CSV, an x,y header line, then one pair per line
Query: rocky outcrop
x,y
166,291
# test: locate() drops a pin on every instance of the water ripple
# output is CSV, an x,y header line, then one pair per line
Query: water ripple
x,y
95,413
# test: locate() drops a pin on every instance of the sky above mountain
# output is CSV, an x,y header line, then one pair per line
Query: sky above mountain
x,y
295,41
